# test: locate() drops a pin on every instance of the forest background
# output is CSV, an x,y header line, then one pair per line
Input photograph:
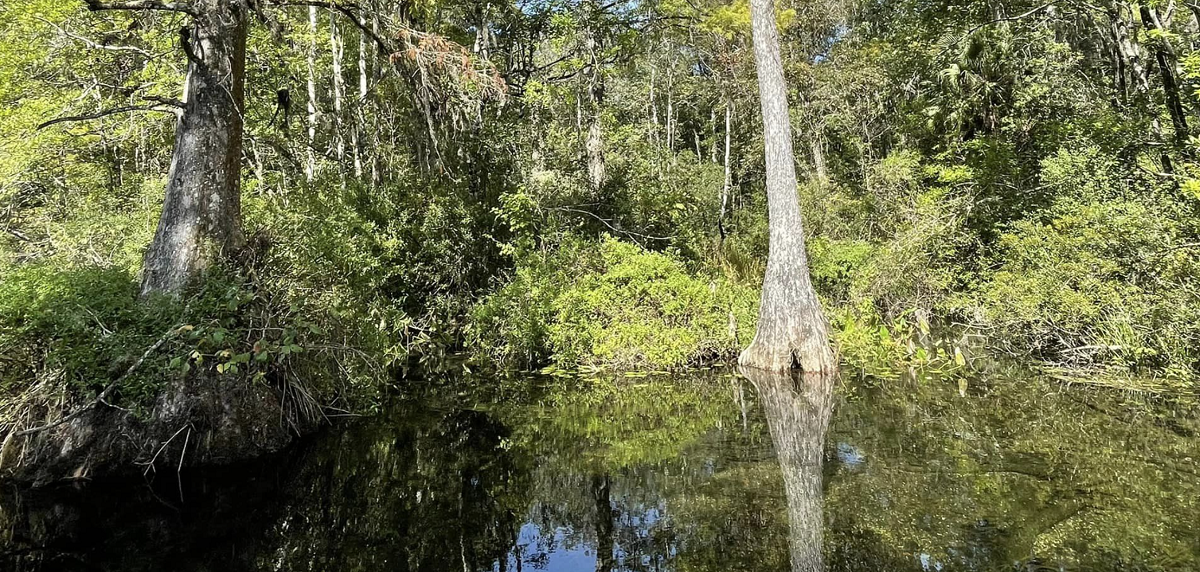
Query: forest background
x,y
579,185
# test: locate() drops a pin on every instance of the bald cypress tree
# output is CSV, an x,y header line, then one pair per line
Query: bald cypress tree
x,y
792,330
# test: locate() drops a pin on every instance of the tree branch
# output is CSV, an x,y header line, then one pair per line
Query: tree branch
x,y
346,10
99,114
95,45
97,5
629,233
1020,16
168,101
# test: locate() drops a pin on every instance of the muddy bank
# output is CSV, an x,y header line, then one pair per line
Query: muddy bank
x,y
196,421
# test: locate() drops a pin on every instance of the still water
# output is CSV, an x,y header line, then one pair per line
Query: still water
x,y
709,471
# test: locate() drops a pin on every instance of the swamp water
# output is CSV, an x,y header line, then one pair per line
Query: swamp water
x,y
708,471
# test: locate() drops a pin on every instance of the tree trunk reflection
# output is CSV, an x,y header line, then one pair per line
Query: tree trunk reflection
x,y
797,407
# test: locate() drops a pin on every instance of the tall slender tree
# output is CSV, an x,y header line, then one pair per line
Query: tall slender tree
x,y
310,165
792,330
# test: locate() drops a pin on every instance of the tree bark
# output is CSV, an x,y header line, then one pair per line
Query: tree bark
x,y
818,158
1127,46
310,167
671,114
337,48
798,409
792,330
201,217
1164,54
653,106
594,144
712,128
728,183
357,120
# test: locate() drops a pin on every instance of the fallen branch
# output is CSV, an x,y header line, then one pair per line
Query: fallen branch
x,y
107,390
628,233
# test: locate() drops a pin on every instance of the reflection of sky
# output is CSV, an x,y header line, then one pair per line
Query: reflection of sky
x,y
531,542
850,455
553,552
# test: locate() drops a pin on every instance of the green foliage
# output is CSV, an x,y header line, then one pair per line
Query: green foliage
x,y
960,169
1097,283
644,309
81,330
612,305
83,327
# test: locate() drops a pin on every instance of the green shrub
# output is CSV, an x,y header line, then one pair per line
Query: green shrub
x,y
612,305
82,327
1099,282
73,332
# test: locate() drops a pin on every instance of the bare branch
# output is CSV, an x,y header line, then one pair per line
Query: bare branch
x,y
629,233
18,235
93,44
168,101
105,113
347,10
97,5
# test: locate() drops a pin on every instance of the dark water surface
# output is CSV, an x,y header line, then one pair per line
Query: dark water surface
x,y
709,471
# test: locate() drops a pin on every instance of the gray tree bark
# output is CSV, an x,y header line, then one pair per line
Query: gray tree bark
x,y
310,167
798,409
594,144
728,182
818,158
357,121
337,48
201,217
792,330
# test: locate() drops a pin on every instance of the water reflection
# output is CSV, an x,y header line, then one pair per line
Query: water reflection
x,y
797,408
701,473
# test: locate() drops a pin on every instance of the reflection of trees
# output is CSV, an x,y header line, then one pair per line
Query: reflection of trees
x,y
604,523
1018,470
797,408
420,490
666,475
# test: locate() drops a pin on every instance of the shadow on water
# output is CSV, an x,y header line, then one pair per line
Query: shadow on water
x,y
709,471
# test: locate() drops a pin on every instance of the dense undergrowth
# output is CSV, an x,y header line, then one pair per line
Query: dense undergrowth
x,y
995,189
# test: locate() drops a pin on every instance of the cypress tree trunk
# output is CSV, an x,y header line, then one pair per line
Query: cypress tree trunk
x,y
310,166
818,159
594,144
728,182
791,327
337,48
201,217
358,119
